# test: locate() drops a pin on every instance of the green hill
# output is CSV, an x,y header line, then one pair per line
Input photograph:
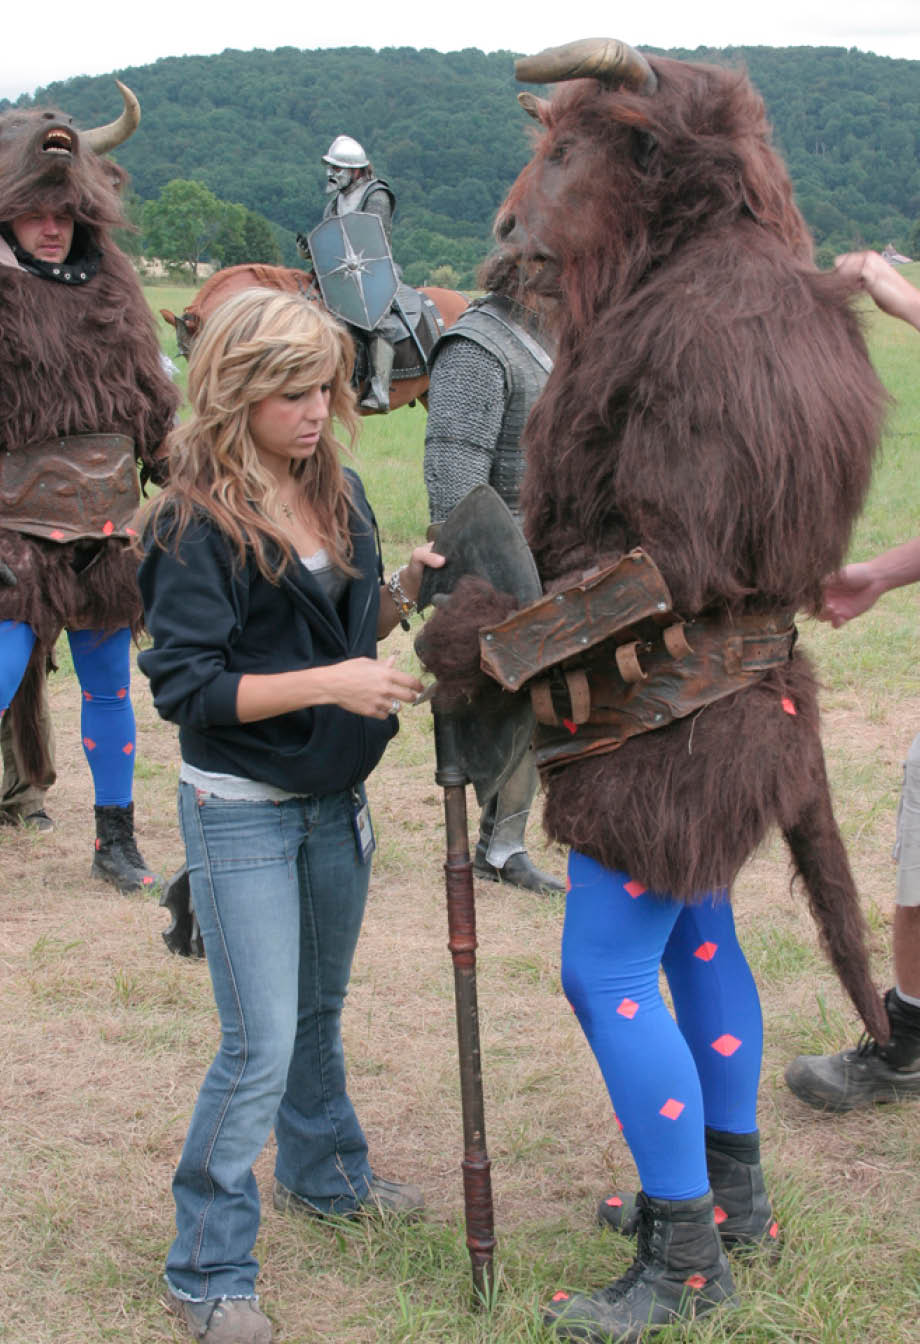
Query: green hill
x,y
445,130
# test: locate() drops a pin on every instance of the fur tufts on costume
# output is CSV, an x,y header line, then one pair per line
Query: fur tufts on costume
x,y
75,358
712,402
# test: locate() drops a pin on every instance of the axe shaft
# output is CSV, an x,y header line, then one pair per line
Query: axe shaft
x,y
461,922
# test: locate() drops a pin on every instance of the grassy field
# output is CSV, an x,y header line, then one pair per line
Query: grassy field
x,y
105,1037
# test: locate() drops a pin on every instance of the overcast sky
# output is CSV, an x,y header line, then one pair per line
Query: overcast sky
x,y
38,47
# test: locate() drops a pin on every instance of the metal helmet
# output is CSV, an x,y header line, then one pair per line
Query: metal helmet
x,y
345,153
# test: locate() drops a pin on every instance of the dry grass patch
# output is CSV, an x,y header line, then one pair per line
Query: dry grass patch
x,y
106,1038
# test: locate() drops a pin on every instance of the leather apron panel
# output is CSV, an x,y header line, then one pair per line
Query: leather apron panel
x,y
70,488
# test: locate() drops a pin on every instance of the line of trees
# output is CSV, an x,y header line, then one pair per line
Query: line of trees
x,y
187,224
446,132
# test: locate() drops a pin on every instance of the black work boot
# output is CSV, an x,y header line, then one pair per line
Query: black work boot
x,y
118,859
518,870
742,1210
501,851
868,1073
680,1272
184,933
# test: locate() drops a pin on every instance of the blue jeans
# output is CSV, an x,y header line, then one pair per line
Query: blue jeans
x,y
279,891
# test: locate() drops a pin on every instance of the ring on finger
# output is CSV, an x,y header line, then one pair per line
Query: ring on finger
x,y
395,706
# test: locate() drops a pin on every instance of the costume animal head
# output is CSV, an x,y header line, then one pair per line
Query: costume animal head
x,y
712,400
81,331
47,163
637,157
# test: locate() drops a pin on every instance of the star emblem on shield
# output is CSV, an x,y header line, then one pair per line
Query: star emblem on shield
x,y
354,268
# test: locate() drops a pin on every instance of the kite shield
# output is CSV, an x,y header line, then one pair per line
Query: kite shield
x,y
354,268
481,537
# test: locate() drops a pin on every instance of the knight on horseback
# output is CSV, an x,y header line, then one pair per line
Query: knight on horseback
x,y
353,187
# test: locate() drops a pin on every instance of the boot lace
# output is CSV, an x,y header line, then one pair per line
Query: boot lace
x,y
867,1045
621,1286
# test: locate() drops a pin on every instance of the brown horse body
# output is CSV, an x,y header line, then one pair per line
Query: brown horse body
x,y
220,286
712,402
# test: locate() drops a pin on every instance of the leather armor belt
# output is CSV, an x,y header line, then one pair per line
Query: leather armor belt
x,y
606,601
635,687
74,487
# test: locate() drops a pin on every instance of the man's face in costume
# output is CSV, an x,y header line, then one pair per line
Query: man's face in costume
x,y
44,234
337,179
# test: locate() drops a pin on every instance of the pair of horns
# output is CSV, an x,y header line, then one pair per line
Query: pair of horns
x,y
103,138
604,58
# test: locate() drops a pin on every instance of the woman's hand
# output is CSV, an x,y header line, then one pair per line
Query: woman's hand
x,y
422,558
410,581
371,687
362,685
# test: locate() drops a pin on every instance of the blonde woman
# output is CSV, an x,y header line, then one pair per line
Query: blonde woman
x,y
262,586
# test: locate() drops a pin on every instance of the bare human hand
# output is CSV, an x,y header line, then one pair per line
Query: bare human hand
x,y
370,686
849,593
409,579
422,558
892,292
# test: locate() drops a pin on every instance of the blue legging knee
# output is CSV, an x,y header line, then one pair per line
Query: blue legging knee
x,y
103,667
667,1079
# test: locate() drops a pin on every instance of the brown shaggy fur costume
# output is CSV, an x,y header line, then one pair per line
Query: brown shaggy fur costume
x,y
74,359
712,402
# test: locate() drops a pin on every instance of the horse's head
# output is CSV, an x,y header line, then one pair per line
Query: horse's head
x,y
186,327
223,284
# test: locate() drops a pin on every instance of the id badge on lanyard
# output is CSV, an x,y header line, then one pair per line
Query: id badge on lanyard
x,y
361,824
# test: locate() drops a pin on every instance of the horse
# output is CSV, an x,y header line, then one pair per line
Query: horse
x,y
436,311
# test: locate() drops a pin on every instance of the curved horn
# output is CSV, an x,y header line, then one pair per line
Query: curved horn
x,y
532,104
602,58
103,138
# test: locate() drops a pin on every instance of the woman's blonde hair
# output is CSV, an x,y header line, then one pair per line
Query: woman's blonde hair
x,y
258,343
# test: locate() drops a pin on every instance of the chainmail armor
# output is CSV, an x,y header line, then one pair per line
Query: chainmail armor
x,y
485,377
484,381
466,406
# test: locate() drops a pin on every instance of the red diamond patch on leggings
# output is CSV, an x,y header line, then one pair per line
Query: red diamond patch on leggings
x,y
726,1045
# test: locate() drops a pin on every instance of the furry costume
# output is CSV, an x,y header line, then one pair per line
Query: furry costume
x,y
713,403
74,359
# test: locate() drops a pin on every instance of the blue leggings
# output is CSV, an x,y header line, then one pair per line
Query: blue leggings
x,y
103,668
666,1079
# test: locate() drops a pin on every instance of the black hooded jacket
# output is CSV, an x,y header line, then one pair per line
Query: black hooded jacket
x,y
214,620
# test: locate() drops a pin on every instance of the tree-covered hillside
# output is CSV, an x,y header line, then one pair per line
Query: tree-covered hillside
x,y
446,131
848,124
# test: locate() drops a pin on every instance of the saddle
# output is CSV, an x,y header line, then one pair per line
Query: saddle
x,y
413,339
